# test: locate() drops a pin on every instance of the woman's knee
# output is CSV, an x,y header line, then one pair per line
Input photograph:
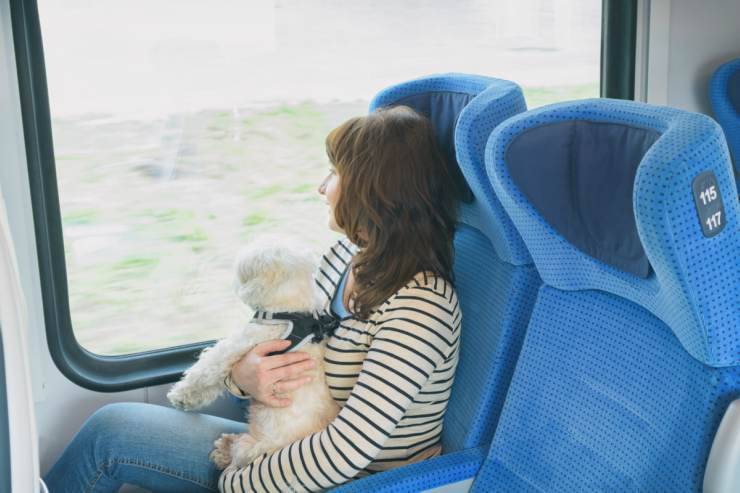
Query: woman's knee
x,y
115,429
123,431
111,418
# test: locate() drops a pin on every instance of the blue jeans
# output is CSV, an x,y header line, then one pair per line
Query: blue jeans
x,y
155,447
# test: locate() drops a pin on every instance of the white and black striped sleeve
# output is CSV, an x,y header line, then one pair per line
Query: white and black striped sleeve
x,y
234,389
414,336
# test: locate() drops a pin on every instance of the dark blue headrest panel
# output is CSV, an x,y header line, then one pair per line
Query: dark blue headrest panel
x,y
579,175
442,109
733,90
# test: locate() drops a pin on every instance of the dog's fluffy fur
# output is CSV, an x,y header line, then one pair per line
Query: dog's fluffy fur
x,y
272,279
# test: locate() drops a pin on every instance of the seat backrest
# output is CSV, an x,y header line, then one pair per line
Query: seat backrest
x,y
632,353
495,280
724,93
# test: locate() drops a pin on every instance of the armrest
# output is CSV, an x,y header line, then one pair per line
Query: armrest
x,y
424,475
723,467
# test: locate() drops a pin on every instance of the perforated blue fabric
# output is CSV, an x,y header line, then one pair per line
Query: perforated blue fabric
x,y
494,278
476,122
724,93
605,399
423,475
496,299
733,90
611,392
695,286
469,84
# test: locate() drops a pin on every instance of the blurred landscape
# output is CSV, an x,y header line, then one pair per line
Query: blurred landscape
x,y
181,135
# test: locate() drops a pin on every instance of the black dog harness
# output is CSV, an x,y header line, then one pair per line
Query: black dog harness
x,y
302,327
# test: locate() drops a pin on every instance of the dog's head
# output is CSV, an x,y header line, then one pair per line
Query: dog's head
x,y
274,278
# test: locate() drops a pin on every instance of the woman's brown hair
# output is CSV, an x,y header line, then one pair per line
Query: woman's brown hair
x,y
395,202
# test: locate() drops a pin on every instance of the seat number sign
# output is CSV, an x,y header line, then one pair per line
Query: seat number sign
x,y
709,205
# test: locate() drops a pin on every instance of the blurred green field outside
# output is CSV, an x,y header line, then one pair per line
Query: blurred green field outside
x,y
154,212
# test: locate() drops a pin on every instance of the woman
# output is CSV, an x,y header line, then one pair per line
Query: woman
x,y
390,364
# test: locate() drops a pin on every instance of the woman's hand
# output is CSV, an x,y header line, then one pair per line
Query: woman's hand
x,y
263,377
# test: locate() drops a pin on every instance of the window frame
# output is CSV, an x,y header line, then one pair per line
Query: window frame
x,y
156,367
89,370
618,42
5,452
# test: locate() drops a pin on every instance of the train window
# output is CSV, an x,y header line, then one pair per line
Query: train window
x,y
181,130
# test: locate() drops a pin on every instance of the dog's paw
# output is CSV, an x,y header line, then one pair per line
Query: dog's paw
x,y
246,449
221,454
179,398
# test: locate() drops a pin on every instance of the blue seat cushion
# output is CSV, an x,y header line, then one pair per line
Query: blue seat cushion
x,y
605,398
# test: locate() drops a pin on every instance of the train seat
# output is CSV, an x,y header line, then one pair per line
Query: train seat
x,y
495,278
724,93
632,353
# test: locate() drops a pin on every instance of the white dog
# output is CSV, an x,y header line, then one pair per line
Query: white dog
x,y
271,281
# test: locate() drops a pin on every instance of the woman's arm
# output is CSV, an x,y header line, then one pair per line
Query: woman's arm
x,y
416,334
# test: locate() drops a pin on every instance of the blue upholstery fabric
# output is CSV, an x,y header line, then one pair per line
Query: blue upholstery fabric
x,y
724,93
733,90
579,176
424,475
622,381
704,320
496,299
605,399
494,278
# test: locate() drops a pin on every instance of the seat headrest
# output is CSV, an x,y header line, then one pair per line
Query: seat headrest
x,y
733,89
439,97
579,175
724,93
463,110
632,199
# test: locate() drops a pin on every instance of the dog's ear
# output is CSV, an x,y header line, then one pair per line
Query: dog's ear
x,y
246,292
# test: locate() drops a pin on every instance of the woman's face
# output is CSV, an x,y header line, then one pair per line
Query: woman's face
x,y
329,188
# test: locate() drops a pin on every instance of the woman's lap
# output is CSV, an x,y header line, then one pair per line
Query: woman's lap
x,y
155,447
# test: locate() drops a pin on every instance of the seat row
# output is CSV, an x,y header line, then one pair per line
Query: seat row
x,y
597,266
724,93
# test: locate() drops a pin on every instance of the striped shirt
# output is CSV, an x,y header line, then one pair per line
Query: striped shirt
x,y
391,374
